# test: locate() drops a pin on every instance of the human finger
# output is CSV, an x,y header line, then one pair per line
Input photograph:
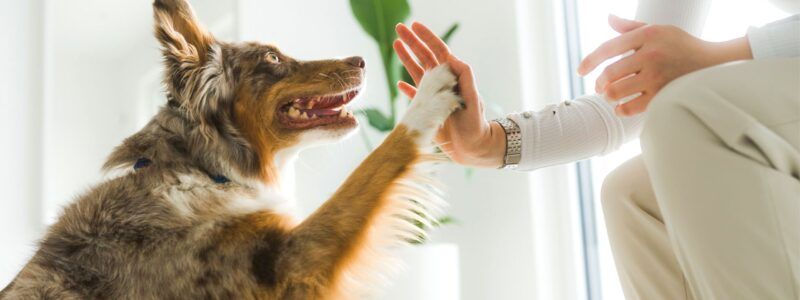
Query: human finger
x,y
616,71
611,48
409,90
411,65
436,44
635,106
626,87
622,25
420,50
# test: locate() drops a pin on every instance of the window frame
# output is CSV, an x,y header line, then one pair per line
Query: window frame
x,y
585,184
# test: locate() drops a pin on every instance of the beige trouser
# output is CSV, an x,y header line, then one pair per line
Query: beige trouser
x,y
711,210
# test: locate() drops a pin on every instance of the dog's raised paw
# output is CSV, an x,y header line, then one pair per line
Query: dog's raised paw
x,y
436,99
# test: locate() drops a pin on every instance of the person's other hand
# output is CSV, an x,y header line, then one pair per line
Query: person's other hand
x,y
662,54
466,137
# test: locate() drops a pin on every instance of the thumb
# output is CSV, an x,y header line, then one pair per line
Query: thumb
x,y
621,25
409,90
467,87
466,80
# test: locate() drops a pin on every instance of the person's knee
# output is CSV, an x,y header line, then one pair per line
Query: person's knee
x,y
676,100
617,190
614,196
668,106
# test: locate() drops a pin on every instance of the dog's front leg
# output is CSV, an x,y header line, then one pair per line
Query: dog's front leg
x,y
336,236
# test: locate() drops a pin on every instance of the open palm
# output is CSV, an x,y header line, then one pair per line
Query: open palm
x,y
465,136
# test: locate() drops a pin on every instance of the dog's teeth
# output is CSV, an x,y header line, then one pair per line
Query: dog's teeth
x,y
350,114
311,104
313,116
304,116
343,113
293,112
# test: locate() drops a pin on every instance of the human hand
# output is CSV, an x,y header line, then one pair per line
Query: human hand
x,y
662,54
466,137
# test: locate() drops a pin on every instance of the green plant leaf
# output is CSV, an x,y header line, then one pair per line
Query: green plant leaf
x,y
449,33
378,17
404,76
446,220
469,172
377,119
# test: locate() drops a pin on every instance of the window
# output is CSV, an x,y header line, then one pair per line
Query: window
x,y
586,19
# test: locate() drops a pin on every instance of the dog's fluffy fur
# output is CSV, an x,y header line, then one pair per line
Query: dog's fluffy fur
x,y
168,231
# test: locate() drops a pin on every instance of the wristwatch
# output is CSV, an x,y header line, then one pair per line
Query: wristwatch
x,y
513,143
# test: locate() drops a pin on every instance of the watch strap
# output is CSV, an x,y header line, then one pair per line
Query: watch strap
x,y
513,153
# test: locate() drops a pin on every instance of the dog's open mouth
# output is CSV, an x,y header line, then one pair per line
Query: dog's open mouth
x,y
315,111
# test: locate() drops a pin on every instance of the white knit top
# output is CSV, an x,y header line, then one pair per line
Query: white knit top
x,y
587,126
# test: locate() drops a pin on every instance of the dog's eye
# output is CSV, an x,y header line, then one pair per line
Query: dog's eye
x,y
273,58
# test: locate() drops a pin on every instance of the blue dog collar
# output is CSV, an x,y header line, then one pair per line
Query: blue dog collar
x,y
146,162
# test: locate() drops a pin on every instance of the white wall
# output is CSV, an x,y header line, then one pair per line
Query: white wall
x,y
102,73
20,130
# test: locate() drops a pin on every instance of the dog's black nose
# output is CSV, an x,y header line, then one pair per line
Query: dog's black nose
x,y
356,61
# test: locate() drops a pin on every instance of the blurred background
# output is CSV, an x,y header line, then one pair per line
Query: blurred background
x,y
78,76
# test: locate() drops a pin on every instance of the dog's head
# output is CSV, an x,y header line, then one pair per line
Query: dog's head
x,y
252,91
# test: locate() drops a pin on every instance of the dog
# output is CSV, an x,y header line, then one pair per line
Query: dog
x,y
197,213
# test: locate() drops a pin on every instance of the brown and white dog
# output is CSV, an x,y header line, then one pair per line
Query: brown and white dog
x,y
197,215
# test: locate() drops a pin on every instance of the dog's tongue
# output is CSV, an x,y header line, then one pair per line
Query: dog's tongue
x,y
321,112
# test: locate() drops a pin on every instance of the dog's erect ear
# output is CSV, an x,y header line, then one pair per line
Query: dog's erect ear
x,y
179,32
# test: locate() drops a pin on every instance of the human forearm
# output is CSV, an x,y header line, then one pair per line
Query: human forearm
x,y
571,131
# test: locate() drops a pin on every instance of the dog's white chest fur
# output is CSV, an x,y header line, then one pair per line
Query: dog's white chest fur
x,y
197,194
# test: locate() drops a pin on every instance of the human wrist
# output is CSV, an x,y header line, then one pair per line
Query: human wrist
x,y
732,50
492,148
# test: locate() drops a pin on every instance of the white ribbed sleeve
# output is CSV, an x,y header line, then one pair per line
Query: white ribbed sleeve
x,y
571,131
689,15
777,39
587,126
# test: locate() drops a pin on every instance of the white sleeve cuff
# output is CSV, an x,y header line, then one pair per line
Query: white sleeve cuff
x,y
780,39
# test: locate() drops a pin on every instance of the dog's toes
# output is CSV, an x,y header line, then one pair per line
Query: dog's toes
x,y
436,99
